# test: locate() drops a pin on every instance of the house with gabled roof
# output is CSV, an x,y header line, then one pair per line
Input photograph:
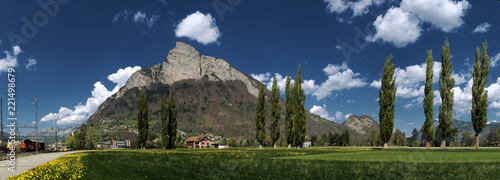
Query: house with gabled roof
x,y
198,142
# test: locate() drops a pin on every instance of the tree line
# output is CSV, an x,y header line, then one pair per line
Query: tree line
x,y
445,129
86,138
295,114
168,121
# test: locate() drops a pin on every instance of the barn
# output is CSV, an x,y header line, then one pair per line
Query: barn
x,y
29,145
198,142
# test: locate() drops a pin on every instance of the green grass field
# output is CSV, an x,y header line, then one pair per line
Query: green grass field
x,y
308,163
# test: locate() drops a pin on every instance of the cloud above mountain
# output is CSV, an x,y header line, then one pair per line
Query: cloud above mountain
x,y
100,93
199,27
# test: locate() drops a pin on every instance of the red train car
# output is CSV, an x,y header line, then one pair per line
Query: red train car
x,y
29,145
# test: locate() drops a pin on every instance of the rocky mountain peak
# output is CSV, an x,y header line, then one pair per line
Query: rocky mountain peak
x,y
361,124
185,62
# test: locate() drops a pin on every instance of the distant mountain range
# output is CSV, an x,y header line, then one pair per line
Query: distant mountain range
x,y
48,134
467,126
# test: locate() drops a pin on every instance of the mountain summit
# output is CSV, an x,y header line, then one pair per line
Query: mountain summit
x,y
185,62
211,95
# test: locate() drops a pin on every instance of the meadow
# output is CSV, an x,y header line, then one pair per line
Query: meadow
x,y
282,163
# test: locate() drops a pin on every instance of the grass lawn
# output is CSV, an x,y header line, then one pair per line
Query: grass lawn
x,y
307,163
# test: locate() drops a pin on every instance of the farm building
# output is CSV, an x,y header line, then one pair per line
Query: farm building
x,y
29,145
307,144
198,142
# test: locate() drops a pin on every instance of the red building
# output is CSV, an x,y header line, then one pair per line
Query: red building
x,y
29,145
198,142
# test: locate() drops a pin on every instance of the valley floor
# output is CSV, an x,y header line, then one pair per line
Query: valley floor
x,y
282,163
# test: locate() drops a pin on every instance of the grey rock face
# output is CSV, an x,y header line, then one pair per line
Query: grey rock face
x,y
361,124
185,62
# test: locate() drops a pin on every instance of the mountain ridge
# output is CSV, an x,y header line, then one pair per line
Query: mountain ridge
x,y
212,97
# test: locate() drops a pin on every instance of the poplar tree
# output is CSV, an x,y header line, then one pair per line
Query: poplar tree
x,y
446,83
299,120
260,116
274,128
428,127
479,111
172,122
289,109
164,123
387,97
142,119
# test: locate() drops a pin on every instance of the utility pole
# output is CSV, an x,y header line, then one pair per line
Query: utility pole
x,y
36,121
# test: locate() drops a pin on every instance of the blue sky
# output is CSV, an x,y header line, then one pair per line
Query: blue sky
x,y
76,55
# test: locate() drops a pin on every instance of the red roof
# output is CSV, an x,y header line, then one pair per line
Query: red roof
x,y
196,139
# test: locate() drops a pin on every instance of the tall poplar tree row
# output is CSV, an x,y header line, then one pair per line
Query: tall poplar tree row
x,y
142,119
428,127
299,119
164,123
168,122
386,101
446,83
289,109
274,128
172,122
479,111
260,116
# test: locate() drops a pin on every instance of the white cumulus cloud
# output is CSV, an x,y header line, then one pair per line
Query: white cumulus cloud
x,y
322,112
200,27
397,27
442,14
401,25
340,77
10,59
376,84
337,6
482,28
100,93
261,77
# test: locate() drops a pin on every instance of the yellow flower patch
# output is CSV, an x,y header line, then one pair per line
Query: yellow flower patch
x,y
70,166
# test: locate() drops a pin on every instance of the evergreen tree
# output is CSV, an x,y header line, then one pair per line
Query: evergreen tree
x,y
260,116
172,122
346,138
164,123
372,137
289,109
428,127
142,118
446,83
386,100
274,128
299,119
479,111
